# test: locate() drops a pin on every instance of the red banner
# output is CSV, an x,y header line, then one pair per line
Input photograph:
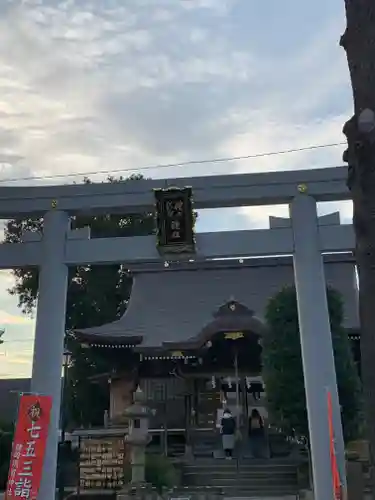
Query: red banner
x,y
336,483
29,444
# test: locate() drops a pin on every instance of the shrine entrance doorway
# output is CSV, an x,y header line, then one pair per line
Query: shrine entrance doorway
x,y
240,395
229,376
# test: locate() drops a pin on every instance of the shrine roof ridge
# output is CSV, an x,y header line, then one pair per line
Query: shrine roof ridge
x,y
196,265
137,196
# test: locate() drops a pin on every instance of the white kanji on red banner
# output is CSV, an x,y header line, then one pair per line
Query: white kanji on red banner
x,y
23,487
28,447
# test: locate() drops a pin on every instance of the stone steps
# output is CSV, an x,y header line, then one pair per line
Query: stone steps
x,y
245,478
244,462
284,497
91,496
274,493
208,443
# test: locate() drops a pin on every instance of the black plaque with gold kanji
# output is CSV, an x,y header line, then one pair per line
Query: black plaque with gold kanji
x,y
175,220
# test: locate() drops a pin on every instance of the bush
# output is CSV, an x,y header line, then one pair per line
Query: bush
x,y
283,372
159,472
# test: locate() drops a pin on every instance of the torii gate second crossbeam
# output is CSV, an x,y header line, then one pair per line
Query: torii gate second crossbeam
x,y
59,247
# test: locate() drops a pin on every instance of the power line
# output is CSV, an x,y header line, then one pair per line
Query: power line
x,y
7,341
161,166
171,165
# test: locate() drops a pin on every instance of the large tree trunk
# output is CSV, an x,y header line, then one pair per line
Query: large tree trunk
x,y
359,44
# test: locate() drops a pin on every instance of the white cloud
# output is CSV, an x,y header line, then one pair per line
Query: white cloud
x,y
87,86
11,319
18,338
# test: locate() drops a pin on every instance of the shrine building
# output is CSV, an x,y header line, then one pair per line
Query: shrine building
x,y
191,338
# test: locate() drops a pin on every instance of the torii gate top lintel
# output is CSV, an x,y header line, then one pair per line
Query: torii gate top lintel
x,y
218,191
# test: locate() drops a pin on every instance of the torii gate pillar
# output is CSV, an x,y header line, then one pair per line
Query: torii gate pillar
x,y
49,335
316,345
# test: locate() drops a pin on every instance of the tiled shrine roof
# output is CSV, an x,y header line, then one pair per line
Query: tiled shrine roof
x,y
176,305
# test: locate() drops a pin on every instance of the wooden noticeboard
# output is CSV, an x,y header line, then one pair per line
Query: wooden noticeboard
x,y
101,463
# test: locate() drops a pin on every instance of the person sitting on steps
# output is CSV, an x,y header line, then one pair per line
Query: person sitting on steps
x,y
228,431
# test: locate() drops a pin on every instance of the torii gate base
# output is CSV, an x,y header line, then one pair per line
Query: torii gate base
x,y
55,252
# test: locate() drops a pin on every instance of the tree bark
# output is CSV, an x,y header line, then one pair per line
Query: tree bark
x,y
359,44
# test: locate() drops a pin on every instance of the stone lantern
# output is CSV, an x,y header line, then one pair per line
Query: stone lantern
x,y
138,415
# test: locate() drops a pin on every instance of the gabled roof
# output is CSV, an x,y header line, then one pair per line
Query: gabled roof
x,y
173,305
230,317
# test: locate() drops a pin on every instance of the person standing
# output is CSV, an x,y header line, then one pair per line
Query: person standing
x,y
228,431
256,434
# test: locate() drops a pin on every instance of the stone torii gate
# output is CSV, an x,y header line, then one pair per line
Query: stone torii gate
x,y
60,247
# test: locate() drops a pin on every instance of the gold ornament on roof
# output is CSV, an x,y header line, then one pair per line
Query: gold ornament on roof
x,y
54,203
302,188
177,354
233,335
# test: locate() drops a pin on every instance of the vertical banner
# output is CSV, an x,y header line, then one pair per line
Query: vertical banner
x,y
29,444
336,482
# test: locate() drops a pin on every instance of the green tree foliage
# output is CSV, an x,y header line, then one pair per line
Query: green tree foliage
x,y
160,472
283,373
96,295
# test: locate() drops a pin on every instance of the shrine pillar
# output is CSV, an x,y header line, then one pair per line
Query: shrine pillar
x,y
316,344
49,336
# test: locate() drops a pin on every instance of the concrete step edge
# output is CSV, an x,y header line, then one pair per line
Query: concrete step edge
x,y
224,483
239,470
232,464
237,492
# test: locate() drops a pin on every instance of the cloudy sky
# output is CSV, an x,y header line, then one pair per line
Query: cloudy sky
x,y
105,85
